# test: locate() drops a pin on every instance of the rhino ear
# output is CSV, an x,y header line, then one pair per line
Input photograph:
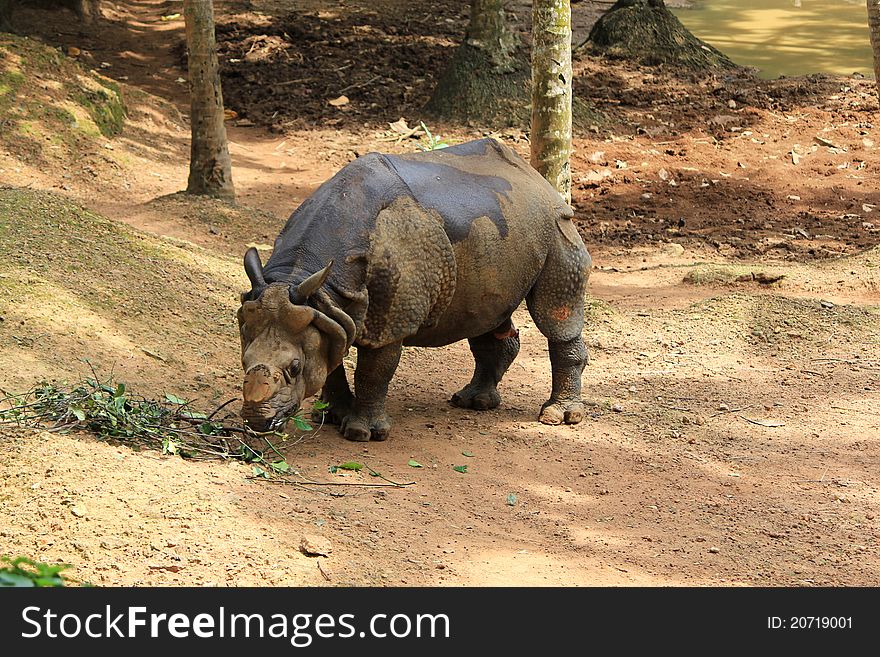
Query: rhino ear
x,y
308,287
254,268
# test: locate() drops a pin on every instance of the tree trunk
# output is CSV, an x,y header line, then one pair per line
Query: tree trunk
x,y
210,168
646,32
551,93
5,15
874,28
487,79
488,31
88,10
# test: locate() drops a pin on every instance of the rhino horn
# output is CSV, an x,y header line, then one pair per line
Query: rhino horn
x,y
254,268
308,287
335,333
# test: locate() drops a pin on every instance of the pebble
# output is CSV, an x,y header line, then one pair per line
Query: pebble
x,y
714,550
617,408
312,545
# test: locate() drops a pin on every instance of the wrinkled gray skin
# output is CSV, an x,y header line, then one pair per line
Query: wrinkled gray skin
x,y
423,249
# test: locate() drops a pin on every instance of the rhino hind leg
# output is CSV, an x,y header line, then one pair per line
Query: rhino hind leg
x,y
493,353
556,303
337,395
367,419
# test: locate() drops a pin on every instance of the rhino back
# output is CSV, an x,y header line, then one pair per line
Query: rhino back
x,y
335,223
498,214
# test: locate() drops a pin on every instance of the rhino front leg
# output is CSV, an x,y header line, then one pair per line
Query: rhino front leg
x,y
368,419
338,396
493,353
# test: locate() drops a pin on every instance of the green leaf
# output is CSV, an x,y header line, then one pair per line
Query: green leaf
x,y
460,468
466,454
281,466
320,405
79,413
120,390
414,464
301,424
175,399
332,469
194,415
259,472
351,465
169,446
511,499
16,580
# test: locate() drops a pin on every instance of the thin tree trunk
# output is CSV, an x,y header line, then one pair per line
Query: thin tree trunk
x,y
551,93
488,31
487,80
874,28
210,168
5,15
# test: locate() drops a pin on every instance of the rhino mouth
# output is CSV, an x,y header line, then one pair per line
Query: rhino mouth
x,y
262,417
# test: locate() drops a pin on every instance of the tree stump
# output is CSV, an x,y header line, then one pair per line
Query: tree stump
x,y
646,32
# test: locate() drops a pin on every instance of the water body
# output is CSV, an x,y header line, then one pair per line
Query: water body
x,y
786,37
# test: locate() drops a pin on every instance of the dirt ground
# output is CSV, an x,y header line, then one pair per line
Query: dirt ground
x,y
731,436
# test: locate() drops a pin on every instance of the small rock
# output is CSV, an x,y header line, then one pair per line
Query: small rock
x,y
723,407
869,516
617,408
673,249
312,545
826,304
714,550
78,511
731,103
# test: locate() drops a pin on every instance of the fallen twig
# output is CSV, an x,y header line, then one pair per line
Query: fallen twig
x,y
855,410
358,484
732,410
764,423
358,85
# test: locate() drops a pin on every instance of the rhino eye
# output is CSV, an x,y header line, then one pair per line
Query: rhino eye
x,y
292,371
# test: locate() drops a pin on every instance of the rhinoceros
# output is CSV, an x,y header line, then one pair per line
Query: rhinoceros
x,y
421,249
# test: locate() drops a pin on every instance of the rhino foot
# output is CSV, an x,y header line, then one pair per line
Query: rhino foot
x,y
360,429
334,414
479,398
559,412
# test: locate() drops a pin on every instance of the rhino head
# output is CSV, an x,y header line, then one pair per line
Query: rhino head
x,y
288,347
